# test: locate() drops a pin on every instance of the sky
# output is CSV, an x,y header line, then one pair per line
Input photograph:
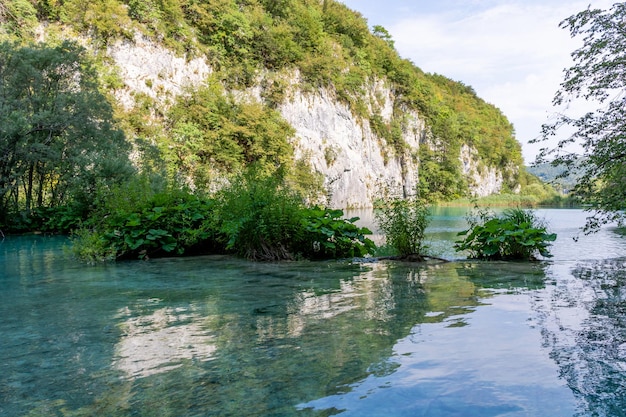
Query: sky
x,y
512,52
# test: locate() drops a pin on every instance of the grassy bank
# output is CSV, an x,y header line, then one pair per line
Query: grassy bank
x,y
512,200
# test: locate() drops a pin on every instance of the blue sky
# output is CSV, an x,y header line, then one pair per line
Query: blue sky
x,y
512,52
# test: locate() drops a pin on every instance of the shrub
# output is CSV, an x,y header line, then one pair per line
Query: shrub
x,y
328,235
258,217
403,222
92,248
255,216
514,235
261,219
168,223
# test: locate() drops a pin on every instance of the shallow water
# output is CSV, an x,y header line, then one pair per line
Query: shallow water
x,y
216,336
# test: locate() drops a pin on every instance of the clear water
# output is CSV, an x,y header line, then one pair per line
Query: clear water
x,y
216,336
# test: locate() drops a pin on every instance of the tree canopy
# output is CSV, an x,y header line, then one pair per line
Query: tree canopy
x,y
60,142
57,140
598,75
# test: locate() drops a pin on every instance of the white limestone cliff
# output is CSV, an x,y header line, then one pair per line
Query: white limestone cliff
x,y
358,166
149,68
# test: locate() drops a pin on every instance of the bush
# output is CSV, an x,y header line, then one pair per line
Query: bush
x,y
261,219
403,222
515,235
258,218
255,216
328,235
168,223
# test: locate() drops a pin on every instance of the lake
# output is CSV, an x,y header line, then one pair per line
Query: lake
x,y
218,336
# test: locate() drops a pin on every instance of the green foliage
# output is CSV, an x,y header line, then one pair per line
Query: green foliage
x,y
514,235
403,222
60,219
461,117
305,181
533,189
597,159
210,129
439,176
18,19
208,132
383,34
523,199
255,216
169,222
176,225
58,144
261,219
104,19
329,235
391,132
91,247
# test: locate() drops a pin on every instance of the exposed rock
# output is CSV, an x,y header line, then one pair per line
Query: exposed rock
x,y
149,68
358,166
483,180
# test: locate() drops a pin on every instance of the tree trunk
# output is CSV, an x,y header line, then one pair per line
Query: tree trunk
x,y
29,187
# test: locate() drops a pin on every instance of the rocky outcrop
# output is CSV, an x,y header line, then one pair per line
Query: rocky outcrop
x,y
153,70
358,166
483,180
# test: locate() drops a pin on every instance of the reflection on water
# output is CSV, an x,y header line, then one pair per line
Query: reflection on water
x,y
586,332
478,354
158,342
216,336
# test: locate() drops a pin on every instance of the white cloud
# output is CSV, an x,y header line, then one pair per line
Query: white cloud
x,y
511,52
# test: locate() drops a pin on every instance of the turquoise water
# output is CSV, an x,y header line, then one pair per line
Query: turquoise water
x,y
216,336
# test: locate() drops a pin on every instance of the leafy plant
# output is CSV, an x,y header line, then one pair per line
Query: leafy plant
x,y
403,222
329,235
262,219
168,223
514,235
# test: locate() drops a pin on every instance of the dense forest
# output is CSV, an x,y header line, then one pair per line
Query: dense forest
x,y
66,143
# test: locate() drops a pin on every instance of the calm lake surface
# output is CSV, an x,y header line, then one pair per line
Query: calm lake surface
x,y
217,336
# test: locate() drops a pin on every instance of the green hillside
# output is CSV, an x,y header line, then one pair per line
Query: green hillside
x,y
556,176
207,131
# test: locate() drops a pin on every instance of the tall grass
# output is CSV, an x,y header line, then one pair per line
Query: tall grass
x,y
512,200
403,222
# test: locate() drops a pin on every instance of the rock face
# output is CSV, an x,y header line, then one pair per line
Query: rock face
x,y
357,165
151,69
483,180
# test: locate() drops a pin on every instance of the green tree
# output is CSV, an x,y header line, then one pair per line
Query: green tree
x,y
598,75
383,34
57,140
440,177
210,129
